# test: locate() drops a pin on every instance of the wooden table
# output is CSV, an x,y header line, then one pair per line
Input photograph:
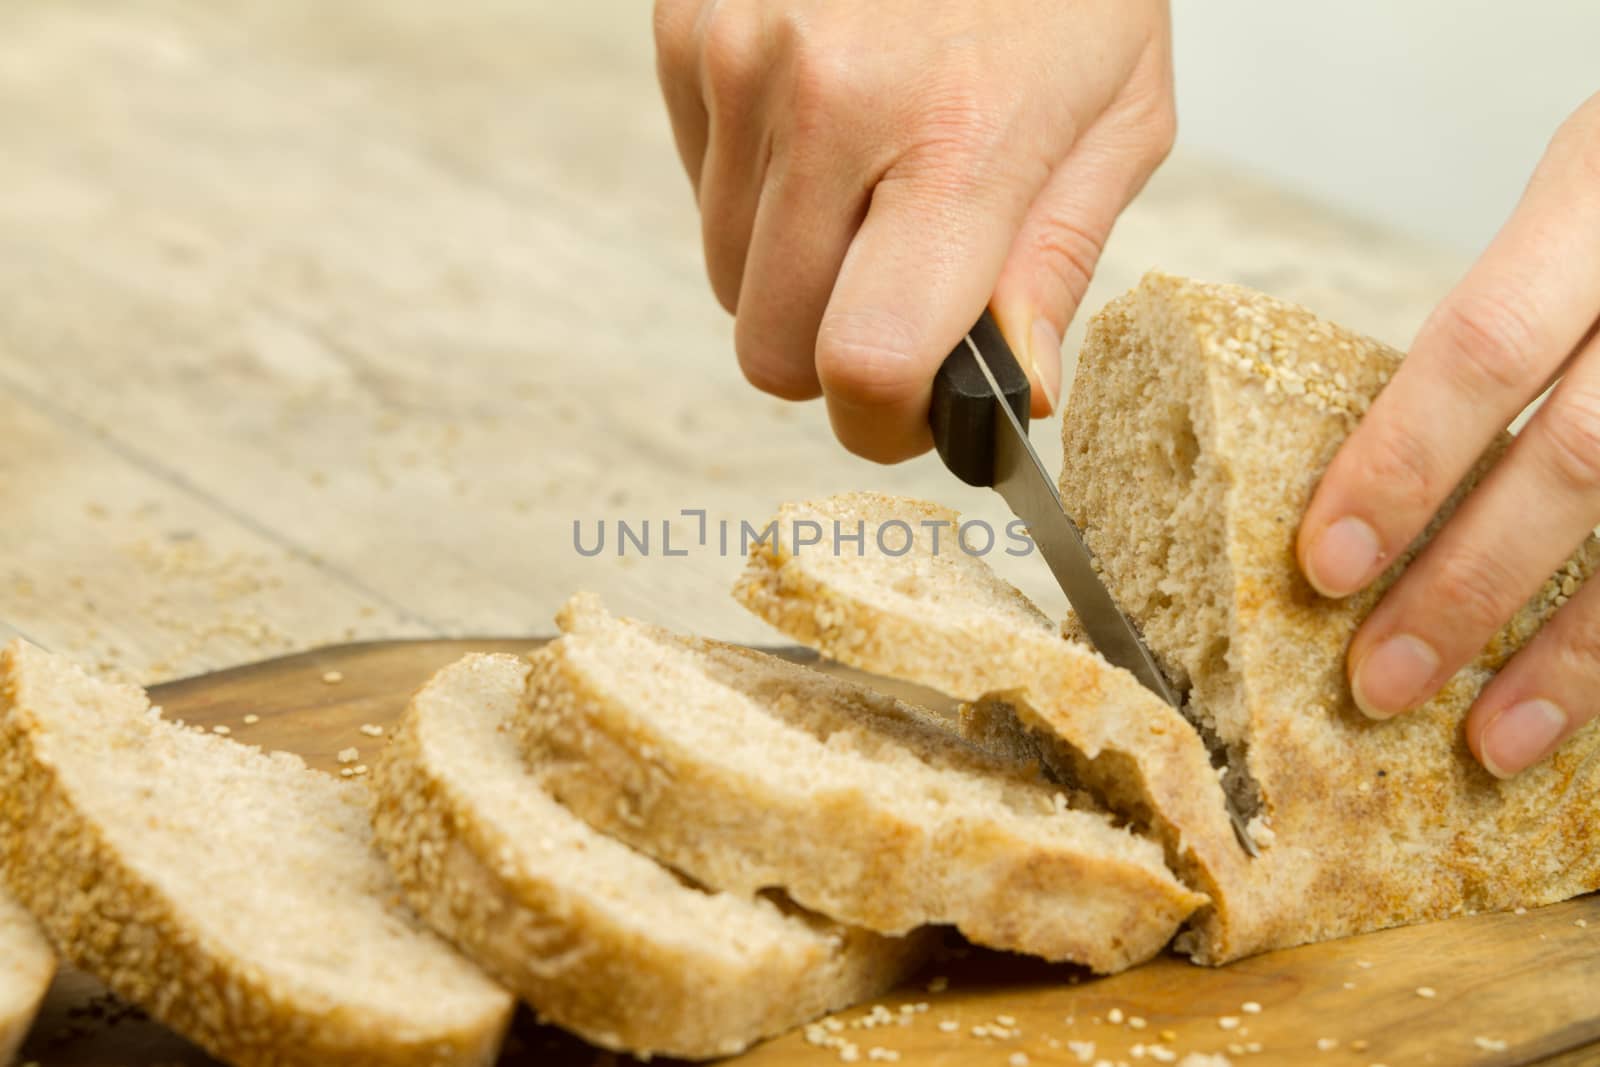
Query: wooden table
x,y
324,321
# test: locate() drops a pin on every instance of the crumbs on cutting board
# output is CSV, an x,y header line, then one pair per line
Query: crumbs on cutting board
x,y
1002,1032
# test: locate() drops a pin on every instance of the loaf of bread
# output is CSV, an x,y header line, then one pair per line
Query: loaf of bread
x,y
746,771
26,967
1199,420
598,938
232,894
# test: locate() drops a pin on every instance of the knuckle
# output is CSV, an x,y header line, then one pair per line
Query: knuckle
x,y
1492,343
867,359
730,54
1474,588
673,24
1067,253
1571,434
1163,130
1401,466
1577,644
826,78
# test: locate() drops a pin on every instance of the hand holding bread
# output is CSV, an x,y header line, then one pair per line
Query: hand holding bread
x,y
1524,316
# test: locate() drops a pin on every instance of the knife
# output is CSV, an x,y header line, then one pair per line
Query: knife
x,y
984,442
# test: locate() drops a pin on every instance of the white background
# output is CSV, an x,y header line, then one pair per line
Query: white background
x,y
1427,115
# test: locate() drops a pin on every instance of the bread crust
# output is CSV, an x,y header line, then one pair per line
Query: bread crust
x,y
103,911
835,846
632,964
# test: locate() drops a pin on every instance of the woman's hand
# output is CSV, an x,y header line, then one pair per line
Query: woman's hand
x,y
1524,314
870,173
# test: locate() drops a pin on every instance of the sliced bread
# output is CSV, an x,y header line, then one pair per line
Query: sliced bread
x,y
1200,420
747,772
232,894
26,967
938,616
598,938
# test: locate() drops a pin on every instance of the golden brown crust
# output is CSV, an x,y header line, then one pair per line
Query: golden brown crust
x,y
628,966
1104,900
105,915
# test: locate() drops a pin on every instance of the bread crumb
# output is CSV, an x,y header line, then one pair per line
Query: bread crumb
x,y
332,677
346,772
1365,965
885,1055
1349,985
949,1026
1018,1059
1162,1054
1427,992
371,729
1084,1050
1327,1044
1581,923
1006,1020
1490,1044
1229,1022
251,719
220,729
1519,911
1250,1007
348,755
1115,1016
1205,1059
359,769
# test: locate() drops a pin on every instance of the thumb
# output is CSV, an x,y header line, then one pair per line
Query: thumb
x,y
1055,253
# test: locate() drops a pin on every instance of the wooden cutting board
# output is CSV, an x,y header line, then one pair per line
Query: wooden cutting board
x,y
1489,990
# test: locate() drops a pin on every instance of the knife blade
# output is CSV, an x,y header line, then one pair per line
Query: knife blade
x,y
979,419
985,442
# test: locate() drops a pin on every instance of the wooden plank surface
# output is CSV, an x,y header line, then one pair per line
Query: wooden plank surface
x,y
1507,989
374,299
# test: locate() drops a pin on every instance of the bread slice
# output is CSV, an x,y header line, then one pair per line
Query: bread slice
x,y
938,616
748,772
26,967
598,938
1199,423
232,894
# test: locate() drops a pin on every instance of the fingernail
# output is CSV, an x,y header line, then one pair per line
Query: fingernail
x,y
1044,353
1520,736
1394,676
1342,556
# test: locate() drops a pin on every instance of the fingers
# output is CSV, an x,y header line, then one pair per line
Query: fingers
x,y
678,71
1484,354
803,228
732,58
1517,527
916,277
1544,695
1054,256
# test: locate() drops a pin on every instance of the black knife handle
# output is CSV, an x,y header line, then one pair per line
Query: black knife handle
x,y
963,412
